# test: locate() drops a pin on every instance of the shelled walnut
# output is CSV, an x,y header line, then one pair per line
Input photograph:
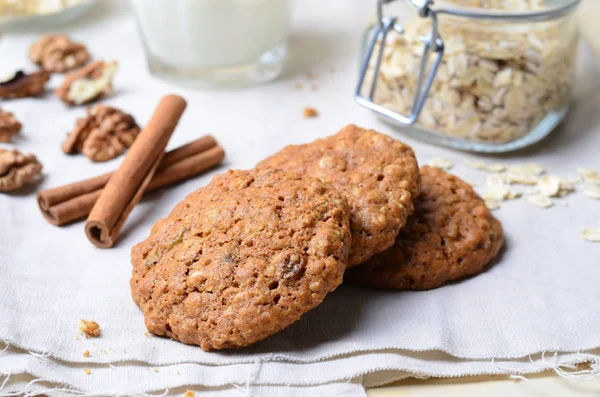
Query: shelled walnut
x,y
9,125
88,84
58,54
103,134
17,170
22,85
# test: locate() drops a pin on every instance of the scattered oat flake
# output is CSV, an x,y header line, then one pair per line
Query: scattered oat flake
x,y
156,370
189,393
86,353
87,371
178,373
476,165
495,179
332,70
495,168
440,163
549,186
530,168
592,235
593,180
586,172
89,328
593,192
310,112
540,201
492,205
298,86
519,178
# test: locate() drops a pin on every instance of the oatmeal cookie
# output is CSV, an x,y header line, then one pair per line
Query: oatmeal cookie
x,y
241,258
451,235
377,174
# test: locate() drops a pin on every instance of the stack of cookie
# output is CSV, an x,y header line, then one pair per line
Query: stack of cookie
x,y
247,255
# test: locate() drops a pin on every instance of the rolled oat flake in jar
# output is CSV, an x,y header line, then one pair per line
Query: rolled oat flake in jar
x,y
479,75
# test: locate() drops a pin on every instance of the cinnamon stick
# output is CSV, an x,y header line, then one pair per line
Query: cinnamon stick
x,y
65,204
126,186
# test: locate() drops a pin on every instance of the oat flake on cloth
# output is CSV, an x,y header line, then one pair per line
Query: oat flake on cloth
x,y
535,308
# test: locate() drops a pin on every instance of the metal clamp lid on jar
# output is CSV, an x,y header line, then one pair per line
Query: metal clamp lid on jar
x,y
433,43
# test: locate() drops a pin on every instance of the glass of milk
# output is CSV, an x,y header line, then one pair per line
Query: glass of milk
x,y
214,42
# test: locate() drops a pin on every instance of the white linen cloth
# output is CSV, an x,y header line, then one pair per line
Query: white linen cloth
x,y
535,308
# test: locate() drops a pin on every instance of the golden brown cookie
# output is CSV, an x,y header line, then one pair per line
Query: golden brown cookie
x,y
451,235
241,258
377,174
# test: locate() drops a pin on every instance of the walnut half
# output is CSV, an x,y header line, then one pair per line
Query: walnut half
x,y
88,84
103,134
22,85
58,54
17,170
9,125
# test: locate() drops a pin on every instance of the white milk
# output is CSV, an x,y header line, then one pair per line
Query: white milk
x,y
212,33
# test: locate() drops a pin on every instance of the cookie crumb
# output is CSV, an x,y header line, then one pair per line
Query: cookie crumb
x,y
86,353
89,328
540,201
298,86
147,335
440,163
314,87
592,235
311,75
87,371
189,393
332,70
310,112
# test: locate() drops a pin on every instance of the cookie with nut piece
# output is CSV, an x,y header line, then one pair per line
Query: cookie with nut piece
x,y
58,53
88,84
450,236
9,125
104,134
17,169
378,175
23,85
241,258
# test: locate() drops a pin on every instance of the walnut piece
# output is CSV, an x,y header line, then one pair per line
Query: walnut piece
x,y
22,85
89,328
17,170
88,84
9,125
103,134
58,54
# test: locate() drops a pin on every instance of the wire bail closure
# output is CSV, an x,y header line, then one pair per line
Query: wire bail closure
x,y
433,44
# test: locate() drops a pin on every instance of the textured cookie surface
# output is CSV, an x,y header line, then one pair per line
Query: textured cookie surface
x,y
451,235
376,173
241,258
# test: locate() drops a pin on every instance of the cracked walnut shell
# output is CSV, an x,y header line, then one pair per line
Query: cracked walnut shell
x,y
103,135
9,125
58,54
88,84
22,85
17,170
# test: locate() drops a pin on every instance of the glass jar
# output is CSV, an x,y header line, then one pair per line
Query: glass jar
x,y
214,42
479,75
